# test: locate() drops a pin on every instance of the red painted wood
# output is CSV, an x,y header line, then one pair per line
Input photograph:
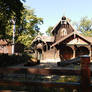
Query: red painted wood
x,y
85,74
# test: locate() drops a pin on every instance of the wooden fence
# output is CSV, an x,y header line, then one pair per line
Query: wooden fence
x,y
84,85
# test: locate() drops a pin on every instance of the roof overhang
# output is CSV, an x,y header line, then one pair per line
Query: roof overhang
x,y
72,36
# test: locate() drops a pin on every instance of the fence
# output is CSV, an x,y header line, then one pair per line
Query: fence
x,y
84,85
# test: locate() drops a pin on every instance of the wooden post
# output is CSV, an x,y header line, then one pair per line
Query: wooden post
x,y
42,54
74,53
85,74
36,54
90,53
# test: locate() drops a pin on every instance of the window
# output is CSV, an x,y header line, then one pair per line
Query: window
x,y
63,32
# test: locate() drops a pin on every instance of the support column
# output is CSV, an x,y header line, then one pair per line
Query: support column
x,y
74,51
90,52
36,54
46,47
42,54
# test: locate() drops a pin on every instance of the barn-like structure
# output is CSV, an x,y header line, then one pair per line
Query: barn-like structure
x,y
66,43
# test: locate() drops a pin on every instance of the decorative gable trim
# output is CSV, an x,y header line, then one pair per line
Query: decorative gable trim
x,y
74,34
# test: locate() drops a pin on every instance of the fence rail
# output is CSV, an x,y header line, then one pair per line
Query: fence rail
x,y
85,74
42,71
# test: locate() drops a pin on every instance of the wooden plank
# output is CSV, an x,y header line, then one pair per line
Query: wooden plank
x,y
41,71
54,71
39,83
67,62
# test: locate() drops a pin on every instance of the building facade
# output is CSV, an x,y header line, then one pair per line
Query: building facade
x,y
65,44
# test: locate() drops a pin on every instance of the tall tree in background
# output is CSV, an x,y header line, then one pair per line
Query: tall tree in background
x,y
9,9
25,19
85,26
29,27
48,31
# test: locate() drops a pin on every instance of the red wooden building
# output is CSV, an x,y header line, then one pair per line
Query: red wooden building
x,y
6,47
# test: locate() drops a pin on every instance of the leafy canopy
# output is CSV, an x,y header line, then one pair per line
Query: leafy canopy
x,y
48,31
25,20
85,26
9,9
29,27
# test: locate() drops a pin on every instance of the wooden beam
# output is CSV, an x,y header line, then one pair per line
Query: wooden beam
x,y
54,71
39,83
41,71
68,62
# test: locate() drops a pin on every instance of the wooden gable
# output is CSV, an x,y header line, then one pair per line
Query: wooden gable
x,y
72,37
63,28
77,41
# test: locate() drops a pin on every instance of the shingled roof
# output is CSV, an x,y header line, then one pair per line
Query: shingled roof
x,y
67,20
73,34
44,38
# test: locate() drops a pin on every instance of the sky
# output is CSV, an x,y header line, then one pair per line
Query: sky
x,y
52,10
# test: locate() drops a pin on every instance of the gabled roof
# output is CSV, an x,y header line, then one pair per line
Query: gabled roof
x,y
89,38
73,34
44,38
38,36
48,38
59,23
55,26
62,39
4,42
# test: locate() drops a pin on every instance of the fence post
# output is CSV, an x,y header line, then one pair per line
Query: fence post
x,y
85,73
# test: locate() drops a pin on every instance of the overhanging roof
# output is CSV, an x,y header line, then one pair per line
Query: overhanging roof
x,y
74,34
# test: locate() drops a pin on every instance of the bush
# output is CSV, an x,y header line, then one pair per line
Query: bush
x,y
10,60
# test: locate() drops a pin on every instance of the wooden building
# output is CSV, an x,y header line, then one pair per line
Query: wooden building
x,y
67,42
6,47
42,47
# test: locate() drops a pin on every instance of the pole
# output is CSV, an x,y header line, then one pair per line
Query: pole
x,y
13,38
85,74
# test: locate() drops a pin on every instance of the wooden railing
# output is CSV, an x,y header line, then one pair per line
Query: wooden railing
x,y
85,74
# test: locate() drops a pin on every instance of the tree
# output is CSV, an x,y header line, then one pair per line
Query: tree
x,y
9,9
28,28
85,26
48,31
26,21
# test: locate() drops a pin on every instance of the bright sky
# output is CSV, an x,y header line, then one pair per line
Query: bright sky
x,y
52,10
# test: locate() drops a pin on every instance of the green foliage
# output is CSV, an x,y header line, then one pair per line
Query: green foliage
x,y
85,26
28,28
9,9
48,31
25,19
